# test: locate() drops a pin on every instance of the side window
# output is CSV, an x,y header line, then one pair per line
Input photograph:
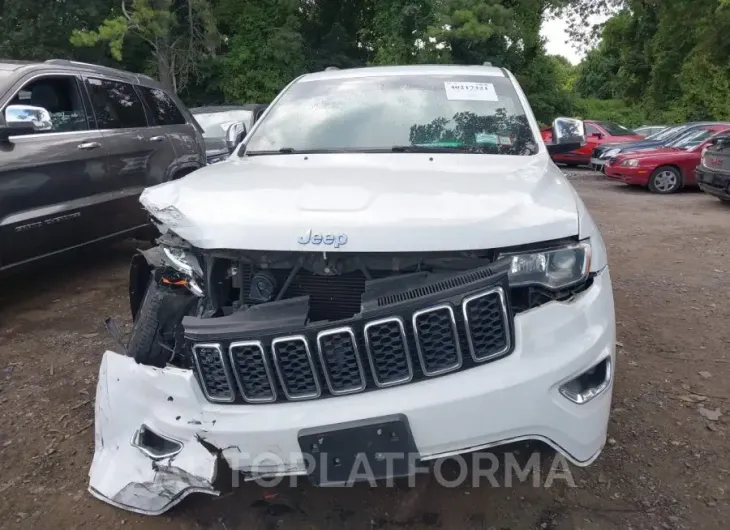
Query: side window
x,y
61,97
164,110
116,104
592,129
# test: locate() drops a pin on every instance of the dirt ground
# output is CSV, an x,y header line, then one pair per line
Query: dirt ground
x,y
667,464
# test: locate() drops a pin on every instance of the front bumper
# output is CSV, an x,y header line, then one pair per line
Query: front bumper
x,y
630,175
598,163
714,183
514,398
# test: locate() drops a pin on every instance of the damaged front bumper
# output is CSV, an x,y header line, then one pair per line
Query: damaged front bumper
x,y
123,474
517,397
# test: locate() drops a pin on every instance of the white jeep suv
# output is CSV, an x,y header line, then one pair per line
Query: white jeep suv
x,y
389,264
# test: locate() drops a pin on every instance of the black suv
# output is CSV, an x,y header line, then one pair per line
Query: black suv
x,y
713,173
78,144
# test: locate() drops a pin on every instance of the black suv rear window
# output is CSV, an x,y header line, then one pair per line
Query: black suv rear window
x,y
164,110
116,105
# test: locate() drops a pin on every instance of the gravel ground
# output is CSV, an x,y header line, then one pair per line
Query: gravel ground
x,y
667,464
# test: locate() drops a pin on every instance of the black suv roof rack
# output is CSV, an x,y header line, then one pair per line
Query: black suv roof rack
x,y
67,62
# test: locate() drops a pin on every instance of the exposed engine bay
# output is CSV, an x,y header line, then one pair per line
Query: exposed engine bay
x,y
330,286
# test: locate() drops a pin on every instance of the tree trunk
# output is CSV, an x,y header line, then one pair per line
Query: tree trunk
x,y
164,72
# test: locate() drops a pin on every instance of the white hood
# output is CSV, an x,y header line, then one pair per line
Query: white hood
x,y
398,202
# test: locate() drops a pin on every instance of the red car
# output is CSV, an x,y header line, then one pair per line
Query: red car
x,y
665,169
597,132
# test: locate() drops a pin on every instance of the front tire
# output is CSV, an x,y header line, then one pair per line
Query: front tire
x,y
665,180
152,341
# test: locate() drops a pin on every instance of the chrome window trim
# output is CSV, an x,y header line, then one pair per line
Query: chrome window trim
x,y
505,322
277,365
406,350
262,351
454,331
216,347
325,368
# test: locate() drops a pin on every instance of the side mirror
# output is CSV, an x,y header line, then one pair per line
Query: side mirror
x,y
235,134
568,135
25,119
597,135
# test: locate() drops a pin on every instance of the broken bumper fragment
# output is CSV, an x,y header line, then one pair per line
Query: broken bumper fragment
x,y
159,439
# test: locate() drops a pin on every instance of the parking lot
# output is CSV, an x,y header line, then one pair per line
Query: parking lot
x,y
667,463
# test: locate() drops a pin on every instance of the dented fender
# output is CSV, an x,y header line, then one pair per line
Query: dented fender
x,y
122,474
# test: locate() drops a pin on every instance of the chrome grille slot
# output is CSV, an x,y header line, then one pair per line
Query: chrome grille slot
x,y
437,340
388,353
340,359
487,329
252,372
213,373
295,367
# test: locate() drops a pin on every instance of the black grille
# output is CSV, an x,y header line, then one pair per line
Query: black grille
x,y
359,354
484,323
295,367
213,372
341,362
252,372
437,340
387,350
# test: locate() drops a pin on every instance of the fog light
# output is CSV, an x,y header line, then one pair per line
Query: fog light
x,y
154,445
589,384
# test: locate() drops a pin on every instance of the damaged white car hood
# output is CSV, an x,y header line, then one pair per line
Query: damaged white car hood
x,y
369,202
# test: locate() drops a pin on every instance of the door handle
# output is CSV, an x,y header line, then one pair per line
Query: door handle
x,y
156,138
89,145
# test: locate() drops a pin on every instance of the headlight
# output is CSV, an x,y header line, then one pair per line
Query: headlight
x,y
186,263
556,268
631,162
178,260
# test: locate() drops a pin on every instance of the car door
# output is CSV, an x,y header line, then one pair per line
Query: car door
x,y
136,151
51,182
183,150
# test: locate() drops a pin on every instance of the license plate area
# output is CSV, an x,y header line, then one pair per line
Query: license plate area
x,y
379,448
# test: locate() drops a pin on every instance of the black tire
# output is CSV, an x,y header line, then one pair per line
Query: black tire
x,y
161,311
665,180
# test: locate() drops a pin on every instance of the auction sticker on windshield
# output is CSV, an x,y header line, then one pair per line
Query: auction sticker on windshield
x,y
460,91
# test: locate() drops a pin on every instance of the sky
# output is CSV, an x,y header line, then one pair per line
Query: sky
x,y
554,31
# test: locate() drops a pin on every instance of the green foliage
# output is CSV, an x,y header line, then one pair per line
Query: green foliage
x,y
653,61
264,49
39,29
668,59
180,34
614,110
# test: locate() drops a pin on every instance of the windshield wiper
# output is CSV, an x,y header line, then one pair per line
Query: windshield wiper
x,y
436,149
282,151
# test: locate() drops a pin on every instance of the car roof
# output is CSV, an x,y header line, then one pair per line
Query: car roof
x,y
420,69
66,66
